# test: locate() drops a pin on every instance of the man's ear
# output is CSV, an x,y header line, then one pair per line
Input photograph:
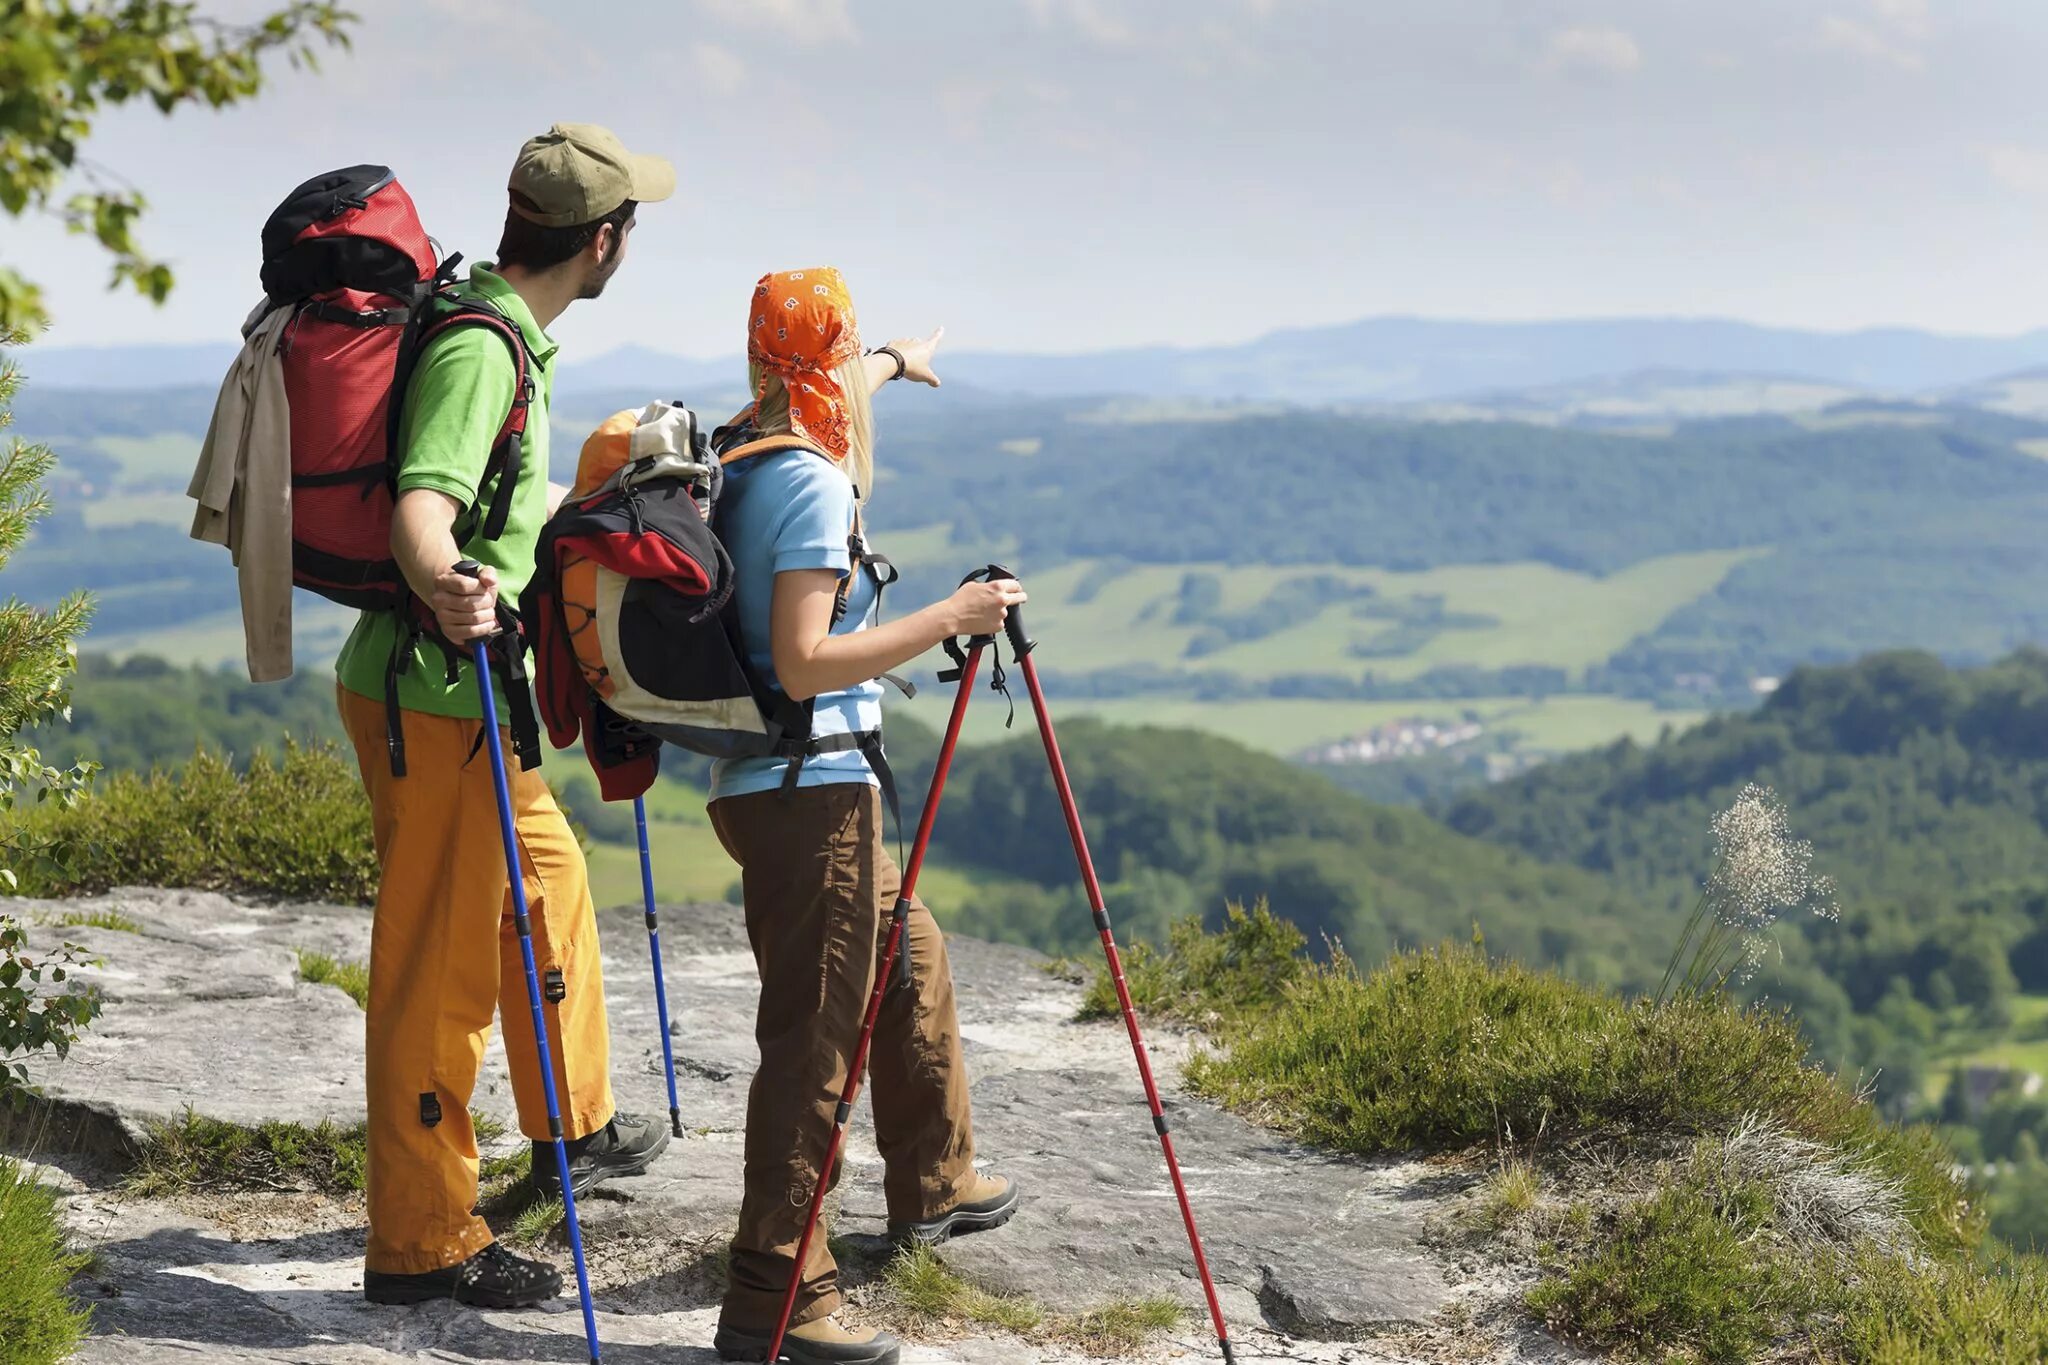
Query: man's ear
x,y
604,244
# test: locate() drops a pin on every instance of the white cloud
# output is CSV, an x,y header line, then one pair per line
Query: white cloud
x,y
719,69
2022,169
1592,50
1890,37
806,21
1859,39
1091,19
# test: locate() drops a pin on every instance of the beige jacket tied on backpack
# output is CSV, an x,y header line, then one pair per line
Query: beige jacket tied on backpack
x,y
243,486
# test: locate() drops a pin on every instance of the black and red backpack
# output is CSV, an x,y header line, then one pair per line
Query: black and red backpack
x,y
346,251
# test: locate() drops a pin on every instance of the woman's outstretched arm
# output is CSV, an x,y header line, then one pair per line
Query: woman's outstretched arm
x,y
810,659
917,361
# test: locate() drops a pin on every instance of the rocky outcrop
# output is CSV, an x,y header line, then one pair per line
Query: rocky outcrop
x,y
1316,1257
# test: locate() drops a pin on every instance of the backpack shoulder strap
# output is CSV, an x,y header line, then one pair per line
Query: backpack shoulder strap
x,y
768,445
507,450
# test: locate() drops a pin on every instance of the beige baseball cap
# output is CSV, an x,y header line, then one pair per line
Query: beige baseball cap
x,y
576,173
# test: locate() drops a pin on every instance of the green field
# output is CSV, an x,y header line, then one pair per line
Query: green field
x,y
2024,1047
1541,614
1286,725
215,640
152,461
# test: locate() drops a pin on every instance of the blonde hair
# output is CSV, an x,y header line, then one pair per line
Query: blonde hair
x,y
772,418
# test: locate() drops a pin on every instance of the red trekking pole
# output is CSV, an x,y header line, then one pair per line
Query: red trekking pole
x,y
1021,645
882,977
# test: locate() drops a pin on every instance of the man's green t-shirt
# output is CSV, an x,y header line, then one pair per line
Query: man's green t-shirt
x,y
454,408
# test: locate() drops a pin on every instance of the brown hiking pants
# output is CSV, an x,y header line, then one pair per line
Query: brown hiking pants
x,y
820,886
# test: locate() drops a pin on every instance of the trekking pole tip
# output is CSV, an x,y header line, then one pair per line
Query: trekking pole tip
x,y
675,1122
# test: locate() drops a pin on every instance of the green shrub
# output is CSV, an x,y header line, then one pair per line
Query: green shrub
x,y
1672,1272
39,1322
297,826
1933,1313
1204,978
33,1019
1444,1048
37,654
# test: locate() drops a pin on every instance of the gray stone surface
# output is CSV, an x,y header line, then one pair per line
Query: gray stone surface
x,y
204,1009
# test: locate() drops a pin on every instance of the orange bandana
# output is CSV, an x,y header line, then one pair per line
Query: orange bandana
x,y
800,328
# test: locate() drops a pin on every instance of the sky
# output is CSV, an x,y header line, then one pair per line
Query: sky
x,y
1072,175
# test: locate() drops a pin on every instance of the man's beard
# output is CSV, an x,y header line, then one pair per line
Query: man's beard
x,y
594,286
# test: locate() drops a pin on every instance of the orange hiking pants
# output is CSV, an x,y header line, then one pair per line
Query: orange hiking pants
x,y
443,957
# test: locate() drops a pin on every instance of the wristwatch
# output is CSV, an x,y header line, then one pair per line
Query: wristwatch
x,y
895,355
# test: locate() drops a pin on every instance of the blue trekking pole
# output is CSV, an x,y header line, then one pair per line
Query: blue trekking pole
x,y
668,1051
481,651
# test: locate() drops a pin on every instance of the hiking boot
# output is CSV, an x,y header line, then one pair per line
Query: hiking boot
x,y
627,1145
987,1203
493,1278
821,1341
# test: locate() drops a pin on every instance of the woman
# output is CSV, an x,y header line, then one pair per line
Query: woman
x,y
816,875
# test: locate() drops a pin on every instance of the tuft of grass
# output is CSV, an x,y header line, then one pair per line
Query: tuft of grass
x,y
926,1289
1672,1274
40,1324
1204,978
1121,1328
98,919
1446,1049
499,1172
352,977
1508,1195
488,1127
199,1153
536,1221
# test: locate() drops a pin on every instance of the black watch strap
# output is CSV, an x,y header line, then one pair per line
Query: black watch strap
x,y
895,355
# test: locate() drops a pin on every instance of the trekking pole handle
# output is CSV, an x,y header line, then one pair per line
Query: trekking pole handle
x,y
1021,643
469,568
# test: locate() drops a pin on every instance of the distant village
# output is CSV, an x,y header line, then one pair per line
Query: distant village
x,y
1411,738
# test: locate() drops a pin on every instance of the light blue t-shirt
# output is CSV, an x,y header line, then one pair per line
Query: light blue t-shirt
x,y
781,512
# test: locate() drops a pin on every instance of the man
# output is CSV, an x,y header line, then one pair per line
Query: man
x,y
444,954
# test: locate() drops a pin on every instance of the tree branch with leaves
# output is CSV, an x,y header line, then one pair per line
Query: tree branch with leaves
x,y
64,62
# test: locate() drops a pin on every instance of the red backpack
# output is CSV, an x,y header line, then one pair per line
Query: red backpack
x,y
347,252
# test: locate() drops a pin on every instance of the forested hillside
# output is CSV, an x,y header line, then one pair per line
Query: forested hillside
x,y
1182,823
1924,791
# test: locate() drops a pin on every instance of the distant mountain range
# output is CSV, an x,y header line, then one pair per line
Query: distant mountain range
x,y
1375,361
